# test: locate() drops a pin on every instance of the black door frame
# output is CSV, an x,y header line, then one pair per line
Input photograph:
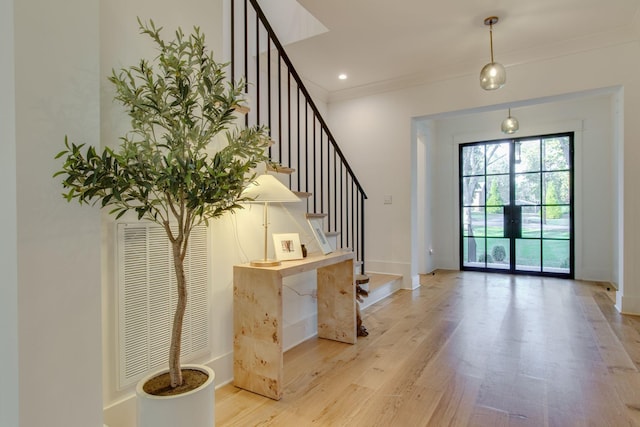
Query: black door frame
x,y
512,211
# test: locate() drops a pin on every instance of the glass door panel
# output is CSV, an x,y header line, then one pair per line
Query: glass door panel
x,y
527,188
531,226
557,153
557,188
517,205
473,160
478,226
556,222
498,254
474,222
474,231
473,191
497,156
529,159
556,256
528,255
499,194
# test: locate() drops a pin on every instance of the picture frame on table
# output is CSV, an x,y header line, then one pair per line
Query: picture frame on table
x,y
287,246
316,225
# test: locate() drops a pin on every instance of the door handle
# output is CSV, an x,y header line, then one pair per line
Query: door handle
x,y
512,215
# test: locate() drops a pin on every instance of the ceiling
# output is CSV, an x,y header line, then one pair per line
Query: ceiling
x,y
381,42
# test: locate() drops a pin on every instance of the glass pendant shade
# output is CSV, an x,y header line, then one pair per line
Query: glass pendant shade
x,y
510,125
493,76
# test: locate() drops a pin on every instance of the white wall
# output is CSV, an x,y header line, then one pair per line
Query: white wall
x,y
9,410
422,187
589,117
376,135
617,255
58,249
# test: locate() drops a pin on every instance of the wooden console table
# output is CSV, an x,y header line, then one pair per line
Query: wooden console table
x,y
257,316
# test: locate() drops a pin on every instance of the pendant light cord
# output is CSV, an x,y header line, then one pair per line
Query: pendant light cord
x,y
491,40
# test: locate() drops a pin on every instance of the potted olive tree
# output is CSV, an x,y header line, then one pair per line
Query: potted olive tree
x,y
164,168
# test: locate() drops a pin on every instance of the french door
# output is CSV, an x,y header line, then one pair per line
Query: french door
x,y
516,205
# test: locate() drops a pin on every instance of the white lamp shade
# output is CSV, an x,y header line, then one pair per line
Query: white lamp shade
x,y
267,188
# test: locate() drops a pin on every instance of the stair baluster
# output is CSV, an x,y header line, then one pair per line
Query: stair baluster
x,y
304,141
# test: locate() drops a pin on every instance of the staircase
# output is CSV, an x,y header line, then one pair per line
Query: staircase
x,y
305,151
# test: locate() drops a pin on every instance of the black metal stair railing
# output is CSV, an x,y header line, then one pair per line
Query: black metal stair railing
x,y
303,141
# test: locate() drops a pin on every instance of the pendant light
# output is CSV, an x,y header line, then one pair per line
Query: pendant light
x,y
493,75
510,125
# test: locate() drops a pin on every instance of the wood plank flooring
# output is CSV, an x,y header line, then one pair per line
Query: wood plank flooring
x,y
464,349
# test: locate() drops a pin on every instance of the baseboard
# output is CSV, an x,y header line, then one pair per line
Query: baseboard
x,y
610,290
629,305
415,282
122,413
300,331
223,367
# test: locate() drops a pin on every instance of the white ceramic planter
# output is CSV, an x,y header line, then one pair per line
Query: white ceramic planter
x,y
194,409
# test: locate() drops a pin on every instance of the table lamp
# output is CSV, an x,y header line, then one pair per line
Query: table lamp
x,y
267,189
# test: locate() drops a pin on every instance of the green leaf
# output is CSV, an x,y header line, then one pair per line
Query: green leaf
x,y
177,103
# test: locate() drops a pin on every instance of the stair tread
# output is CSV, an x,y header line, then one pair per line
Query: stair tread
x,y
280,169
303,194
242,109
361,279
310,215
377,280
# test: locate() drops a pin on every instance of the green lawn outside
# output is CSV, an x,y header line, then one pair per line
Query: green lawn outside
x,y
531,227
555,252
495,231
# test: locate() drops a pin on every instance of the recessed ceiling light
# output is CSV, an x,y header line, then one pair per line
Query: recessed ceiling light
x,y
342,76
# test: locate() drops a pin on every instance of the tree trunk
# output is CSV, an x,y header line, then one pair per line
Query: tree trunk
x,y
175,373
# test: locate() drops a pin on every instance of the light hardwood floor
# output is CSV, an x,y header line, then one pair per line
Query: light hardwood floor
x,y
464,349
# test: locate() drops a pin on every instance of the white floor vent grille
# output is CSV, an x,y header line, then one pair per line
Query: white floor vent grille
x,y
147,299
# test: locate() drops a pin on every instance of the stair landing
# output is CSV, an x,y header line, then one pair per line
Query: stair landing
x,y
380,286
